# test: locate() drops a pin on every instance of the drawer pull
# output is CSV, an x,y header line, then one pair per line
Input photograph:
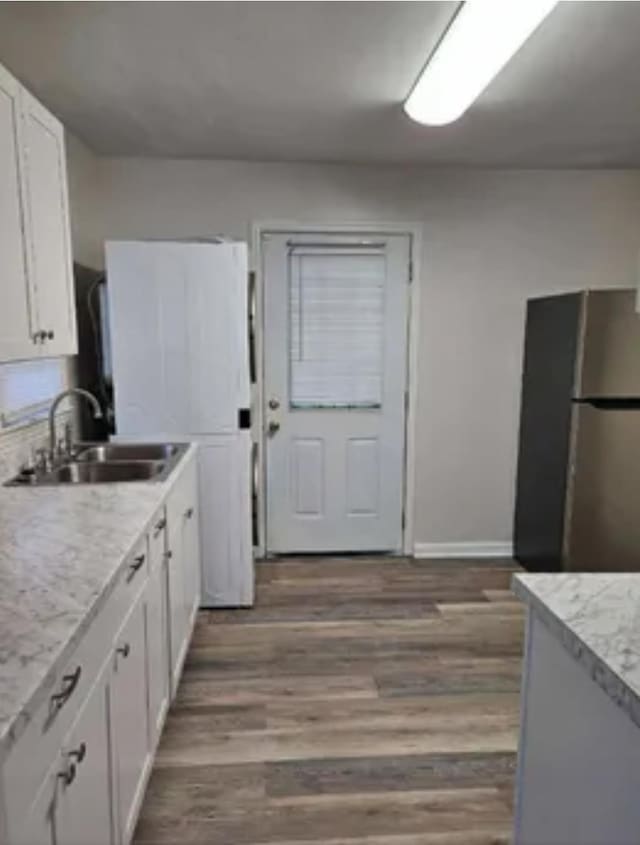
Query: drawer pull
x,y
188,513
135,566
69,775
124,650
79,753
70,682
159,526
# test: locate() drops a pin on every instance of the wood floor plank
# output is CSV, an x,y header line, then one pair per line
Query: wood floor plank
x,y
364,701
388,774
322,818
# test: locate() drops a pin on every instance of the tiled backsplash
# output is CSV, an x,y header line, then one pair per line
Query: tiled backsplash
x,y
17,446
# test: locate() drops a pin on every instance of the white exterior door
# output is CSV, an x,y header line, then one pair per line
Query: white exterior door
x,y
336,310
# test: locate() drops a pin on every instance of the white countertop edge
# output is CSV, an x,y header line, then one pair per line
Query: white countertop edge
x,y
599,670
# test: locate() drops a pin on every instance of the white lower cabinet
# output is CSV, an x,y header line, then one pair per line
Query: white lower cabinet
x,y
183,558
83,812
39,826
157,647
129,715
73,804
79,778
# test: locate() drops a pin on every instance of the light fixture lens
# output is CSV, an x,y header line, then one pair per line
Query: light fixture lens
x,y
482,38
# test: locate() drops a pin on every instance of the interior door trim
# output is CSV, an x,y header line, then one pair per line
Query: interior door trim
x,y
367,232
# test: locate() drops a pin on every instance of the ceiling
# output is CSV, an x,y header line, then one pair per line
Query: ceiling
x,y
324,82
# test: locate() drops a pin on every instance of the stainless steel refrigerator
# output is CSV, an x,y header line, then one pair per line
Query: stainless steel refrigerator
x,y
578,481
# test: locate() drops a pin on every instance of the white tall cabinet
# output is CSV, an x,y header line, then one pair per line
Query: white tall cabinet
x,y
37,318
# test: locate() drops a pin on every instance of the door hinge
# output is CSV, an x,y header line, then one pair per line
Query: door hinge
x,y
410,270
404,520
406,401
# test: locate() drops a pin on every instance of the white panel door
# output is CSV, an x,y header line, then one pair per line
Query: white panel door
x,y
16,325
48,234
336,312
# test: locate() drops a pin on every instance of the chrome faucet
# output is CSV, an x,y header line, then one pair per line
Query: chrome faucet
x,y
73,391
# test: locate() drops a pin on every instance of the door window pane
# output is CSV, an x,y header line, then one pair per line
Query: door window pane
x,y
337,302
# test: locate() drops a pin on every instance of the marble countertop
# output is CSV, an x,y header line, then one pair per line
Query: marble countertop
x,y
61,549
597,618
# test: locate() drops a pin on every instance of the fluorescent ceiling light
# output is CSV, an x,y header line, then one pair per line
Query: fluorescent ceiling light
x,y
482,38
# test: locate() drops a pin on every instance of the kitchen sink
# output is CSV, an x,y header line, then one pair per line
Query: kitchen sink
x,y
99,453
104,472
106,463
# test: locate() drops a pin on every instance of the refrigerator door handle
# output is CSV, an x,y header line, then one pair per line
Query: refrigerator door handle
x,y
255,482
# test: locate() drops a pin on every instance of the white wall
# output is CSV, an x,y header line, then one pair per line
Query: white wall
x,y
491,239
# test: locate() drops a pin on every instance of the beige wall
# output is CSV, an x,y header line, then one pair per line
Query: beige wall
x,y
490,240
84,202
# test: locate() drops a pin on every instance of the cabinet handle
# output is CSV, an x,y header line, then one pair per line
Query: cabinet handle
x,y
79,753
135,566
50,334
168,554
69,775
38,337
69,682
188,513
159,526
124,650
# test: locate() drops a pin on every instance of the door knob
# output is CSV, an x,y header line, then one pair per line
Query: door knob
x,y
274,404
273,428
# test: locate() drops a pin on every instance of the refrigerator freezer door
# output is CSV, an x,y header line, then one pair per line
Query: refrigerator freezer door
x,y
603,527
545,424
179,336
611,345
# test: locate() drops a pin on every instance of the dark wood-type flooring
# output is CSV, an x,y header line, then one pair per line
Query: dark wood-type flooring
x,y
361,701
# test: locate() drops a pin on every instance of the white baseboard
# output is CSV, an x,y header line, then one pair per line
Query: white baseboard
x,y
451,550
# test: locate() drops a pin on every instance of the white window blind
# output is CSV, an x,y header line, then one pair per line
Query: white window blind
x,y
337,302
27,387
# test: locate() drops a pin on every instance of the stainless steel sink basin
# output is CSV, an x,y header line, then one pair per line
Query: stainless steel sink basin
x,y
100,453
103,473
107,463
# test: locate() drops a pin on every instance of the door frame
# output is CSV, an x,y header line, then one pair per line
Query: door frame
x,y
414,232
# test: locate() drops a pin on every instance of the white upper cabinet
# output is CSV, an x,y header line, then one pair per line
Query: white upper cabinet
x,y
48,237
16,329
38,313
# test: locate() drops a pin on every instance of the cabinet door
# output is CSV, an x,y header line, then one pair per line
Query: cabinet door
x,y
84,803
16,328
40,826
157,648
191,544
128,699
48,239
176,582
